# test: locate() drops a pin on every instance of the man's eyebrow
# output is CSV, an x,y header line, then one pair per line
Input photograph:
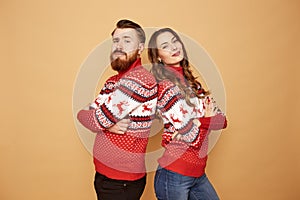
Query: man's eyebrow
x,y
126,36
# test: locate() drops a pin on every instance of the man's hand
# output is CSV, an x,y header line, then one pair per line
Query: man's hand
x,y
120,127
176,136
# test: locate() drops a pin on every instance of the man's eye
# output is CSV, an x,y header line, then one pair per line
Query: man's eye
x,y
127,41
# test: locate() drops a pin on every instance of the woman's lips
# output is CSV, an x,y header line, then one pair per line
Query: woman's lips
x,y
176,54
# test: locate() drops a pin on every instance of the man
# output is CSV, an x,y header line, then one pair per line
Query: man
x,y
121,116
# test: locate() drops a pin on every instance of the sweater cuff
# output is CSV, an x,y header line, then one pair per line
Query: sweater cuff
x,y
104,121
88,120
216,122
189,133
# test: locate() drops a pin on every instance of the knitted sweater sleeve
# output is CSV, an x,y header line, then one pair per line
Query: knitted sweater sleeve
x,y
129,94
88,117
175,111
216,122
104,93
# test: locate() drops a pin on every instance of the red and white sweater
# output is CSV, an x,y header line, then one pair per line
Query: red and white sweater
x,y
188,155
131,94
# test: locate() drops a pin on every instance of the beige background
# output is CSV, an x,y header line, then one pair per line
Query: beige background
x,y
255,44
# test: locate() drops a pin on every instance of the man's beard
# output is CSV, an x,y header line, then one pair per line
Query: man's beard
x,y
122,65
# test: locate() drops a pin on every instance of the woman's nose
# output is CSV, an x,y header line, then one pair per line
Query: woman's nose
x,y
174,47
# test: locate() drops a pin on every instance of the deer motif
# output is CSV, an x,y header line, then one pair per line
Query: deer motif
x,y
183,110
195,110
174,120
146,107
119,106
109,99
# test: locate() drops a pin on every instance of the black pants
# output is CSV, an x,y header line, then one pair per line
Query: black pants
x,y
111,189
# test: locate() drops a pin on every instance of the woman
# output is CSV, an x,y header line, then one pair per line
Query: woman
x,y
188,115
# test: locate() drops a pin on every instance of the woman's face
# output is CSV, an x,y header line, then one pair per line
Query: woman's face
x,y
169,49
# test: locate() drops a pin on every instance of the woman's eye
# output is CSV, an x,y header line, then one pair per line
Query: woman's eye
x,y
164,47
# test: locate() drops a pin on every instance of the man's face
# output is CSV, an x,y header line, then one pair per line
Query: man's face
x,y
125,48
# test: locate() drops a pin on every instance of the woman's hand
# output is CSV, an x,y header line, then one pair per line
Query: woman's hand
x,y
120,127
210,107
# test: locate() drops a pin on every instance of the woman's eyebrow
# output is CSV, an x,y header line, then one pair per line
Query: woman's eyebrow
x,y
174,38
163,43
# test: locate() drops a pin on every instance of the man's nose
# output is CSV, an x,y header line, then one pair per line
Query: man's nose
x,y
119,46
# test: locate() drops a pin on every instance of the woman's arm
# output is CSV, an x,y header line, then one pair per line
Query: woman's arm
x,y
216,122
176,112
213,119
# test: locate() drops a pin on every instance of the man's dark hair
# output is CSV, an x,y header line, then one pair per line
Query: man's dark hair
x,y
125,23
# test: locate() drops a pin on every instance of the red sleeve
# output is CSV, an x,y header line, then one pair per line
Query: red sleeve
x,y
88,119
216,122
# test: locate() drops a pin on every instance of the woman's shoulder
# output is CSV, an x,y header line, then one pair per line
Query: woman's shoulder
x,y
166,83
141,76
167,87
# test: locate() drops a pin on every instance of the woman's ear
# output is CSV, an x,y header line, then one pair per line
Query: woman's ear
x,y
141,48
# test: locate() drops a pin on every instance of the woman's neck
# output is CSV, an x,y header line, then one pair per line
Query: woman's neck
x,y
175,65
175,68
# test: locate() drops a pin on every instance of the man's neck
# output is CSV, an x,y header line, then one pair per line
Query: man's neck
x,y
136,63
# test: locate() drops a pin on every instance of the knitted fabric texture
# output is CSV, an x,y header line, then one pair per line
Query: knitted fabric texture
x,y
188,155
131,94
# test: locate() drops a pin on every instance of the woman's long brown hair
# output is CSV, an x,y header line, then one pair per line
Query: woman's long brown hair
x,y
161,73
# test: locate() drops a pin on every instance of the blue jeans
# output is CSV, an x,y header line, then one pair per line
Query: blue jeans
x,y
173,186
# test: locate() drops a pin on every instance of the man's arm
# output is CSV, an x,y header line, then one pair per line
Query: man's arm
x,y
87,116
117,106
